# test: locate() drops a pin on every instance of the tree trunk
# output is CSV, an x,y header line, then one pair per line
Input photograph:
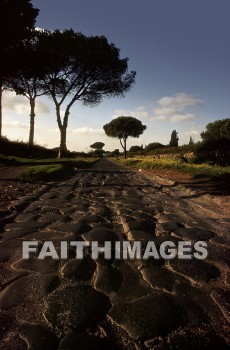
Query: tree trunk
x,y
63,148
1,91
125,152
123,146
63,130
32,120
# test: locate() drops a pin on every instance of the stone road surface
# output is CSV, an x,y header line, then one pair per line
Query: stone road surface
x,y
113,304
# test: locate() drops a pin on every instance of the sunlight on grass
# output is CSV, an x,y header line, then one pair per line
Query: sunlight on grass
x,y
49,169
167,163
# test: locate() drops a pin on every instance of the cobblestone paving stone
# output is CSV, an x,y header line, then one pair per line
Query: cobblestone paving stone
x,y
113,304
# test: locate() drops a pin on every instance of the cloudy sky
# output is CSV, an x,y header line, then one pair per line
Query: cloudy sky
x,y
180,51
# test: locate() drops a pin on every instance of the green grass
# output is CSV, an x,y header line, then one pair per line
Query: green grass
x,y
167,163
46,169
42,172
79,161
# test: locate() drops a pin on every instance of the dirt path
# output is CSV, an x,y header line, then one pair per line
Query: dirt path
x,y
112,303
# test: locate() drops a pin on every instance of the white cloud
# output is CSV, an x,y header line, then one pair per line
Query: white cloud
x,y
138,112
87,131
15,124
180,101
21,104
54,130
41,107
80,131
191,133
182,117
174,108
170,108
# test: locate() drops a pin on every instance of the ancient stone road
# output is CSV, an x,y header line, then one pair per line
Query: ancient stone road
x,y
113,304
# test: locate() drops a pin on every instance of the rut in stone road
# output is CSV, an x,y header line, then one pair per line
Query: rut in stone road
x,y
113,304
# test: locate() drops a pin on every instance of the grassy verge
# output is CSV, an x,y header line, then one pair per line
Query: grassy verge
x,y
47,169
165,163
42,172
12,160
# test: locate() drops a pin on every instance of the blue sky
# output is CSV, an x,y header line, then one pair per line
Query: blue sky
x,y
180,51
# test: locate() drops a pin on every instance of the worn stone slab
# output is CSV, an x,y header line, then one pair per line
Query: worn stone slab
x,y
49,236
160,278
102,210
138,235
146,226
130,277
194,233
219,255
75,341
9,248
222,299
80,270
54,203
101,235
196,269
26,289
195,304
53,217
91,218
108,279
38,337
74,307
33,264
149,316
76,228
17,233
12,340
162,218
200,337
26,217
166,227
33,225
8,275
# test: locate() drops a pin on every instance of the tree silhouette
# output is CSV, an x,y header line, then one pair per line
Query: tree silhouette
x,y
136,148
27,80
191,141
123,127
97,145
217,130
154,145
84,69
17,18
216,141
174,139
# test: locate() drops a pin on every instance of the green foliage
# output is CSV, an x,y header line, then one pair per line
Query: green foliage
x,y
174,139
191,141
98,153
114,153
169,163
82,68
42,172
218,130
97,145
17,17
215,147
136,148
51,169
15,149
124,127
152,146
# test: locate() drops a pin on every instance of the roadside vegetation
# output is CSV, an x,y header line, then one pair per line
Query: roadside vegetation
x,y
41,163
48,169
151,162
209,157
